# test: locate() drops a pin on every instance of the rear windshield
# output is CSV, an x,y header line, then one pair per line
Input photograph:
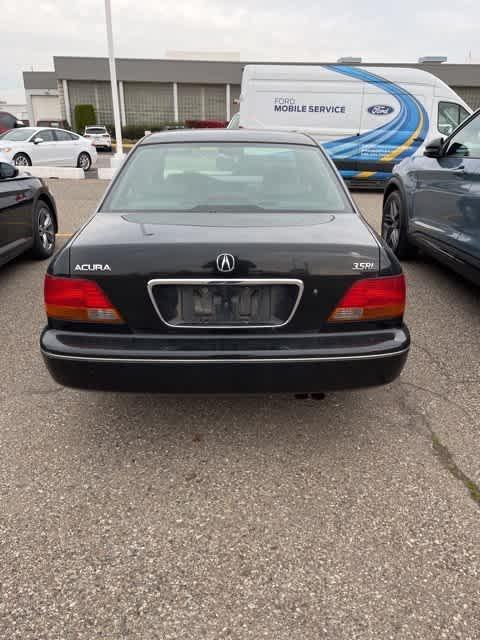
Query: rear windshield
x,y
18,135
227,177
95,130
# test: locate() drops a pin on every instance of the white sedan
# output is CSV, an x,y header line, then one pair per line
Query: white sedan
x,y
47,146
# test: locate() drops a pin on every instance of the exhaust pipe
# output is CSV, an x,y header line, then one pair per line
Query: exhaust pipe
x,y
309,396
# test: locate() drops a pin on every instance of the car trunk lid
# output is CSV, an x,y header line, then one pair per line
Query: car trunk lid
x,y
323,252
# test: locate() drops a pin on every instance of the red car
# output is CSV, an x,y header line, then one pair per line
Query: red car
x,y
7,122
206,124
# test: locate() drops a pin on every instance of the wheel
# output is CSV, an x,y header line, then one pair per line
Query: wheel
x,y
43,231
394,226
84,161
22,160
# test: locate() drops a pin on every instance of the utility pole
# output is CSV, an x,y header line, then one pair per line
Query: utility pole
x,y
113,81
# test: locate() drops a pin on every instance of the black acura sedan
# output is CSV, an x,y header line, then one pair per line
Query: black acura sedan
x,y
225,261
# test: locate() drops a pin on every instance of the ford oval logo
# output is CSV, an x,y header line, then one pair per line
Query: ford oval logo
x,y
381,110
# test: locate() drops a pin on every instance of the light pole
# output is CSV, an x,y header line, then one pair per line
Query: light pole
x,y
113,81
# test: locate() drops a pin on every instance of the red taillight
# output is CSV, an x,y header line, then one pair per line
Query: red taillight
x,y
78,300
372,299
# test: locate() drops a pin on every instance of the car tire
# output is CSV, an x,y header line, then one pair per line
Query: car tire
x,y
84,161
394,226
21,160
43,231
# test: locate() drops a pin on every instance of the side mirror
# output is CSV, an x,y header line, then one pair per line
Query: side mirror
x,y
37,140
7,171
434,148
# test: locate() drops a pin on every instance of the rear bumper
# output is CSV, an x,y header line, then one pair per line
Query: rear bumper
x,y
286,363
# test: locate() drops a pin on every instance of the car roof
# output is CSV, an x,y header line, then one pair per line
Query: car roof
x,y
33,130
228,135
53,129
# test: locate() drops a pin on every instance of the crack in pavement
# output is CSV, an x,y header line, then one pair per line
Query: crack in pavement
x,y
440,450
447,461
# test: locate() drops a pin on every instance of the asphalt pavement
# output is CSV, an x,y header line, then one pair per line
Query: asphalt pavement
x,y
103,161
142,516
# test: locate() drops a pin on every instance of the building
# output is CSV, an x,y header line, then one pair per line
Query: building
x,y
152,92
41,96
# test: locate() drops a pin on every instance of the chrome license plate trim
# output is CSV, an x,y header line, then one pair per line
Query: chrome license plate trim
x,y
247,282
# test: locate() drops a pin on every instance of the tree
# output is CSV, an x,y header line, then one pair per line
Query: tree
x,y
84,116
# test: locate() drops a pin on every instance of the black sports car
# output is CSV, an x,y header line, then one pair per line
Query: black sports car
x,y
28,216
225,261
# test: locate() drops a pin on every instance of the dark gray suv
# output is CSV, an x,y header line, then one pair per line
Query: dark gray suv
x,y
432,201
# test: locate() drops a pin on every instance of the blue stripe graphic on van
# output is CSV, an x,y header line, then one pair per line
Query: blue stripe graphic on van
x,y
390,142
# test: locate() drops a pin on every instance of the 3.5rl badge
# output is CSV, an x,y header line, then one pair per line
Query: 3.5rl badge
x,y
364,266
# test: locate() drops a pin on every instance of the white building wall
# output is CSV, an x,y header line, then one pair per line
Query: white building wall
x,y
46,108
43,104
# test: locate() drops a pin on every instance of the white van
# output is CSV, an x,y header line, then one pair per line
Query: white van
x,y
367,118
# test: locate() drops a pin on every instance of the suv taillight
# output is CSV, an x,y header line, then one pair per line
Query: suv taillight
x,y
78,300
372,299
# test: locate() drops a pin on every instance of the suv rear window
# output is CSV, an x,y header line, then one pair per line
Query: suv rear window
x,y
227,177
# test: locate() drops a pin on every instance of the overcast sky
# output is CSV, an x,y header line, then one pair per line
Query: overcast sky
x,y
33,31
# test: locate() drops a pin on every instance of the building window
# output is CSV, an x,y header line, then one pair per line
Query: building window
x,y
96,93
215,105
471,95
189,102
148,103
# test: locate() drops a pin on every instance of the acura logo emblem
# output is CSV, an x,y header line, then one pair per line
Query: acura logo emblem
x,y
225,262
